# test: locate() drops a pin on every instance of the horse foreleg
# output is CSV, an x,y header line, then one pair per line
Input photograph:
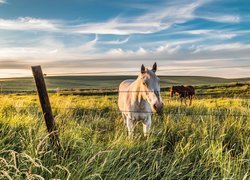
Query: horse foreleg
x,y
185,101
130,126
124,118
146,126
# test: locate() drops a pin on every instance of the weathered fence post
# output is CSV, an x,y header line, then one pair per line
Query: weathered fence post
x,y
45,104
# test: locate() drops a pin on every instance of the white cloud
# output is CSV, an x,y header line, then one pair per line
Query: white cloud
x,y
56,58
117,27
197,31
129,48
154,20
116,52
154,45
221,18
86,47
211,33
48,49
115,41
157,18
119,52
177,12
3,2
222,47
230,46
12,72
213,71
167,48
27,24
141,51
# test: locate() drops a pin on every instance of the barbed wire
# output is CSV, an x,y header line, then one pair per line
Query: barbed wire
x,y
147,91
214,113
165,89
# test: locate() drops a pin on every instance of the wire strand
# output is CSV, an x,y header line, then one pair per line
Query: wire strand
x,y
144,112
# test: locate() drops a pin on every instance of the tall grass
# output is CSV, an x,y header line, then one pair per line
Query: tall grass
x,y
203,141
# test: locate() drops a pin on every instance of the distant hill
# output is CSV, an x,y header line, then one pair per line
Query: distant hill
x,y
105,82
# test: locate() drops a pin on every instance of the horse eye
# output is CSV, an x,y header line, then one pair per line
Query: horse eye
x,y
144,83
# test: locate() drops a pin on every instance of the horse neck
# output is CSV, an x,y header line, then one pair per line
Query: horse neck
x,y
180,89
137,94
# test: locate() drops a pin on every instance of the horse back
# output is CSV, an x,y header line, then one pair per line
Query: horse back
x,y
190,90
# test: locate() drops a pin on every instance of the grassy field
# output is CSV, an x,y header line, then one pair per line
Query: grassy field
x,y
208,140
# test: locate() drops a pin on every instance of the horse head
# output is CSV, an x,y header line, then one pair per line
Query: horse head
x,y
172,91
150,87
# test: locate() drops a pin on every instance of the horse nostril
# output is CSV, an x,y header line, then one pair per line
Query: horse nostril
x,y
155,106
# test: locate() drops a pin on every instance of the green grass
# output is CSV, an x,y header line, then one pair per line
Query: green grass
x,y
105,82
203,141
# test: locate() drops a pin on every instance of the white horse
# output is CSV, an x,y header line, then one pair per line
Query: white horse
x,y
139,99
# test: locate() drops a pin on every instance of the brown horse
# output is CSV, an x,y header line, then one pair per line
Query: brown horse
x,y
183,92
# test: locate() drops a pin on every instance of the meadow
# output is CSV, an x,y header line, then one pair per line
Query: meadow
x,y
208,140
104,82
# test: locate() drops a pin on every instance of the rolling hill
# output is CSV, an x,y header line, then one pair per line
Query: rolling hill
x,y
104,82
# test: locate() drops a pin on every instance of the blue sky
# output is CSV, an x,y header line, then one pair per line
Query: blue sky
x,y
185,37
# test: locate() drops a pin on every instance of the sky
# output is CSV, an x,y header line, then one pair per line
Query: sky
x,y
111,37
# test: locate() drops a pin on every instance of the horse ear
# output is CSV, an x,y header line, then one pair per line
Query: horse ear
x,y
143,70
154,67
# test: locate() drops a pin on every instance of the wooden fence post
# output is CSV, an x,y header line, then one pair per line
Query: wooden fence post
x,y
45,104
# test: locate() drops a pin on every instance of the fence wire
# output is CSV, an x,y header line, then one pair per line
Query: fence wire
x,y
164,112
214,113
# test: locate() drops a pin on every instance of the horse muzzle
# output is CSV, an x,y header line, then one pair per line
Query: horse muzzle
x,y
158,107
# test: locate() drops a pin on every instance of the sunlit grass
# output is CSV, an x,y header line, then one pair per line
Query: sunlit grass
x,y
202,141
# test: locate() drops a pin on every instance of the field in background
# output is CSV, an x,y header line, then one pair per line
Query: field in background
x,y
208,140
106,82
